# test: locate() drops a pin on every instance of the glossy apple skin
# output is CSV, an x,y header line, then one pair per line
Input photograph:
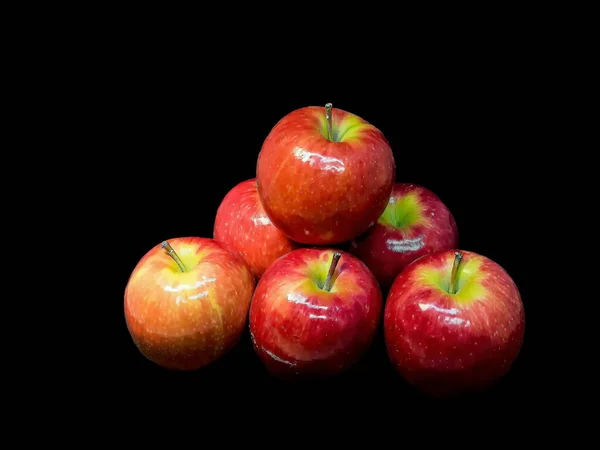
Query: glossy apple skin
x,y
300,331
184,321
242,224
320,192
447,345
387,250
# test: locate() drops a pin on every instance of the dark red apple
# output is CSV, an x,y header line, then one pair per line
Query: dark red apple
x,y
314,313
187,301
324,175
454,323
414,223
242,224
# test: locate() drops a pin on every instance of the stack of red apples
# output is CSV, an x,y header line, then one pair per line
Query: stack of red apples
x,y
453,320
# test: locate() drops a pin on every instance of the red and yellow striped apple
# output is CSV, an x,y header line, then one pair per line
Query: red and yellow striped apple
x,y
324,175
454,322
414,223
242,224
187,302
314,313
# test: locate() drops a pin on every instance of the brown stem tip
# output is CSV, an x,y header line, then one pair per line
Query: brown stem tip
x,y
328,118
329,280
173,254
454,277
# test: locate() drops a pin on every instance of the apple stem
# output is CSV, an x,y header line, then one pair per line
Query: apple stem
x,y
328,108
171,251
329,280
454,278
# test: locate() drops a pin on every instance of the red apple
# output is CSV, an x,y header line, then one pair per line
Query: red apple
x,y
314,313
242,224
454,322
324,180
414,223
187,302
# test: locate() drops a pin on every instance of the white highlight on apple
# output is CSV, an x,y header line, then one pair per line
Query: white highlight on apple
x,y
426,306
405,245
199,295
451,311
198,284
294,297
261,220
277,358
314,316
457,321
183,298
325,162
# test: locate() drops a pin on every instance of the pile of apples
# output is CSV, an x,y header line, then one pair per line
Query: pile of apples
x,y
304,253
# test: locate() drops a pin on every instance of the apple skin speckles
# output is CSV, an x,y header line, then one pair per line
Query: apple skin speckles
x,y
447,344
299,329
416,222
320,192
242,224
188,320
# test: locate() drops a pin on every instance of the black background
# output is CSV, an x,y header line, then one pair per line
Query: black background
x,y
188,134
